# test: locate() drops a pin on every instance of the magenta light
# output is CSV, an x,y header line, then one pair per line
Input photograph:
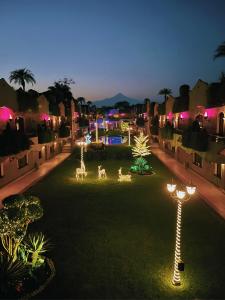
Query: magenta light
x,y
205,114
184,115
44,117
170,116
211,112
6,114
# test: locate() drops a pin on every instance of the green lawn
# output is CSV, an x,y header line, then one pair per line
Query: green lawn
x,y
116,240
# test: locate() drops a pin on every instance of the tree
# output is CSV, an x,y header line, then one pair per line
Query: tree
x,y
166,92
220,51
141,149
18,212
21,77
62,92
81,101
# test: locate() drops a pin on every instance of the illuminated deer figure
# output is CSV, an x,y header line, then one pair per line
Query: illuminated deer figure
x,y
123,177
81,172
101,173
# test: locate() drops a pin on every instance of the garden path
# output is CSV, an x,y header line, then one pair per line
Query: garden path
x,y
26,181
211,194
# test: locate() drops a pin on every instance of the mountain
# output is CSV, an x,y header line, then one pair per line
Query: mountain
x,y
117,98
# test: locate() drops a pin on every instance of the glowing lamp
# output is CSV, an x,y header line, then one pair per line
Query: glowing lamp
x,y
180,194
190,190
181,116
171,187
5,114
205,115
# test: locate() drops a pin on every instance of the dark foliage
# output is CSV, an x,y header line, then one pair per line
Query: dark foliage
x,y
64,130
140,122
162,108
45,135
13,141
196,138
83,122
27,100
154,129
167,131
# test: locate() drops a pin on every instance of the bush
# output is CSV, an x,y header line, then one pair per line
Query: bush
x,y
195,138
64,130
13,141
167,131
45,135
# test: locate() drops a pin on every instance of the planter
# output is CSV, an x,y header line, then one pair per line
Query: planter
x,y
33,284
50,272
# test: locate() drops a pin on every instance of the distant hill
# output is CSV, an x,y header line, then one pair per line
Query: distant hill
x,y
117,98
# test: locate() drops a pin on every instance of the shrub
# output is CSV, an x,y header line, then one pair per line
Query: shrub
x,y
13,141
64,130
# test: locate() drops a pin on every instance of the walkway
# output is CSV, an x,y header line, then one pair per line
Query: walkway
x,y
26,181
211,194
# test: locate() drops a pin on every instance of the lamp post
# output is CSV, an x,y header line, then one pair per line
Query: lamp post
x,y
129,129
181,196
96,130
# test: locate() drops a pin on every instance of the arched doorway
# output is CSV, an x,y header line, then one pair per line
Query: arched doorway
x,y
221,123
200,119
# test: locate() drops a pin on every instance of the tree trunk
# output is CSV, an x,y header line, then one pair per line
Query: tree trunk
x,y
23,85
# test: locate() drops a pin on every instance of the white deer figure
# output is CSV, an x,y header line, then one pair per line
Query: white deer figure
x,y
81,172
101,173
123,177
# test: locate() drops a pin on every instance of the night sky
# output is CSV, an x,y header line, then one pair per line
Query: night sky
x,y
135,47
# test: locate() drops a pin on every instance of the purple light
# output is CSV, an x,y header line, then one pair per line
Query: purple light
x,y
6,114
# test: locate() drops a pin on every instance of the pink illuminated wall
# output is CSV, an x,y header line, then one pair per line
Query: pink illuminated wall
x,y
211,112
170,116
44,117
6,114
185,115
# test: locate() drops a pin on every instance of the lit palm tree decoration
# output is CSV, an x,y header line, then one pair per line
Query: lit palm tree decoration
x,y
140,150
166,92
181,196
220,51
21,77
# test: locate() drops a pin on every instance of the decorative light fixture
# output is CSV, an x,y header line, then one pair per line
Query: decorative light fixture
x,y
81,172
181,196
205,115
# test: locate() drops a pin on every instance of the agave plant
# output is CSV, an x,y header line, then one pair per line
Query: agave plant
x,y
36,244
11,273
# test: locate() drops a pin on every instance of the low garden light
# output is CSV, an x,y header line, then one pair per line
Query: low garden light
x,y
181,195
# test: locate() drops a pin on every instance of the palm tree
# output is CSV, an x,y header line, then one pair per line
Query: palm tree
x,y
81,101
166,92
220,51
22,76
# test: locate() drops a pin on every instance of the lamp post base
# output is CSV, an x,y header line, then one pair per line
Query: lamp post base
x,y
176,283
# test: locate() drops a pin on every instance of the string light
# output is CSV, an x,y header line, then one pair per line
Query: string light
x,y
181,196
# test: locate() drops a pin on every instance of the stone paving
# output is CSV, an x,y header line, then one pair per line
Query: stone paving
x,y
210,193
26,181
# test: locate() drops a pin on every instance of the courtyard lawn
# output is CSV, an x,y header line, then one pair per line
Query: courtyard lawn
x,y
116,240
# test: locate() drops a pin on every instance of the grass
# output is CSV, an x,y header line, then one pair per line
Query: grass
x,y
116,240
